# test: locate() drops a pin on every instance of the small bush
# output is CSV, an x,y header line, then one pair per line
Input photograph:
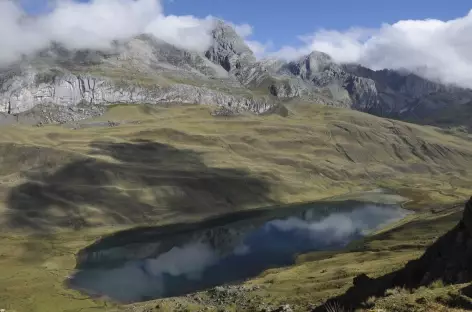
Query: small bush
x,y
335,307
436,284
395,291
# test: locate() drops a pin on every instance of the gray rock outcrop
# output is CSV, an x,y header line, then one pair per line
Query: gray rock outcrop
x,y
330,79
24,92
229,50
449,259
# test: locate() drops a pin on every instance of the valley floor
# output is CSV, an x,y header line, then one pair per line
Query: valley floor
x,y
61,189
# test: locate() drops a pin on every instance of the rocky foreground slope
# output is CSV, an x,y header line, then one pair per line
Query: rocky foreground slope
x,y
448,260
58,85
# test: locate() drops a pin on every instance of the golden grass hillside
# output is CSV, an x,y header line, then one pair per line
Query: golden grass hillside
x,y
63,188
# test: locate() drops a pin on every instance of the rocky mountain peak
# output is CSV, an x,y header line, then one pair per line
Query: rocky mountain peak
x,y
225,36
228,49
317,60
308,65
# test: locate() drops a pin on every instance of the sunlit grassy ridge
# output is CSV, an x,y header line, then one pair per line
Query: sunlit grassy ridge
x,y
180,163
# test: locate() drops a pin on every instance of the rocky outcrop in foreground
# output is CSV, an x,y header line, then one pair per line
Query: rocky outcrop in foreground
x,y
449,259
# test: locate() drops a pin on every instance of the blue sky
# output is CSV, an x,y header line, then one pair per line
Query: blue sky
x,y
281,21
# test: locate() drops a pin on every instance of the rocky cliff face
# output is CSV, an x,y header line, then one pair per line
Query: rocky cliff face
x,y
143,70
31,88
227,75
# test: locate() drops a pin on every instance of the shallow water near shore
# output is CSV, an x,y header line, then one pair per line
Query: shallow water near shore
x,y
194,260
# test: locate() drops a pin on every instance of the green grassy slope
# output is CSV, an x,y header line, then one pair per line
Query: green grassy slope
x,y
61,189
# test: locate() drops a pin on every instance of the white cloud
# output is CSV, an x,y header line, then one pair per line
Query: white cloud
x,y
440,49
243,30
186,32
94,25
259,49
343,47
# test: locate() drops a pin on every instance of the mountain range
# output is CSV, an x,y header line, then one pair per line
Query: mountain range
x,y
60,85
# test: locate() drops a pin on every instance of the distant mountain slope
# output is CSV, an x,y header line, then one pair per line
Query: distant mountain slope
x,y
409,97
227,74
